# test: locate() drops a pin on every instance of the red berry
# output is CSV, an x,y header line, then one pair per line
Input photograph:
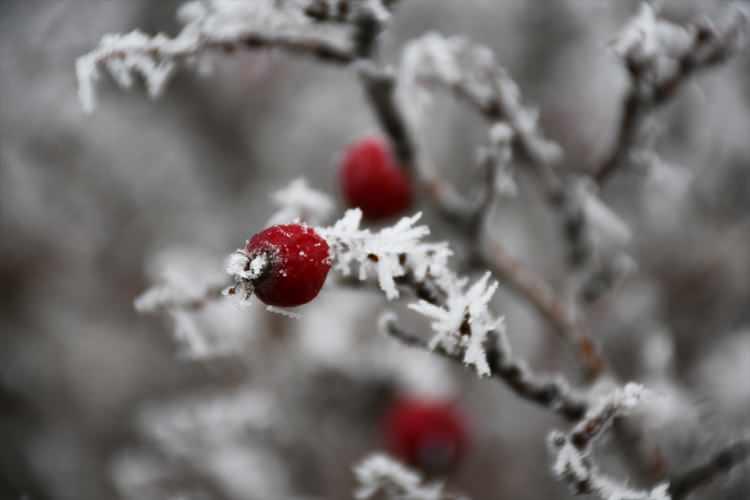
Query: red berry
x,y
298,263
431,435
372,180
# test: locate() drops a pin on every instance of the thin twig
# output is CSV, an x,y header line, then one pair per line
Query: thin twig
x,y
379,86
682,485
710,47
164,298
574,462
541,296
552,393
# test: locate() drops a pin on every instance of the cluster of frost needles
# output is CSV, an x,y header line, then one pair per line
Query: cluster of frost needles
x,y
461,322
207,25
574,463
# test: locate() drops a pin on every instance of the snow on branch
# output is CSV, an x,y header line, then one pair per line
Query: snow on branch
x,y
388,253
574,463
464,320
553,393
186,283
187,280
379,474
471,72
461,319
659,57
209,25
651,44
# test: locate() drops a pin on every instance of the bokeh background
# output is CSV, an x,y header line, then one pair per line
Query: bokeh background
x,y
94,209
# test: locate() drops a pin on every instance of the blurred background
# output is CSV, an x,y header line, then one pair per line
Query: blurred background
x,y
98,402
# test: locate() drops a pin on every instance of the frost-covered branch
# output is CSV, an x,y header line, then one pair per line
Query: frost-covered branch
x,y
659,57
388,253
734,455
553,393
471,72
187,282
210,25
334,31
380,476
574,463
460,315
168,298
463,321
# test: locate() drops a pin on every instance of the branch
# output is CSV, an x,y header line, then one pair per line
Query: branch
x,y
470,72
574,463
721,463
166,298
379,86
209,26
552,393
648,45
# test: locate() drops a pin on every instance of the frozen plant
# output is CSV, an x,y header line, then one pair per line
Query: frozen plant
x,y
287,264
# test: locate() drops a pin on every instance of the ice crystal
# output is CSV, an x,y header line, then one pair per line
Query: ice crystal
x,y
470,72
208,25
244,270
573,461
464,321
387,253
646,37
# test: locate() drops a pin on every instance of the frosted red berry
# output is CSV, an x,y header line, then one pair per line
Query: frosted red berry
x,y
373,181
431,435
298,263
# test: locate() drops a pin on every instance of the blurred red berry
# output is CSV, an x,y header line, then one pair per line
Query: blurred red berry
x,y
431,435
298,263
373,181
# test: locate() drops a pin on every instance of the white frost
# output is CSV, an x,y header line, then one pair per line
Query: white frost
x,y
379,474
385,253
573,461
463,309
208,25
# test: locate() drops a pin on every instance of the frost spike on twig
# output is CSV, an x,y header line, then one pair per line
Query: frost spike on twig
x,y
209,25
552,393
574,463
645,45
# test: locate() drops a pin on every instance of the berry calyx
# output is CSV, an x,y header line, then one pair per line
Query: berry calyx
x,y
373,181
431,435
295,264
